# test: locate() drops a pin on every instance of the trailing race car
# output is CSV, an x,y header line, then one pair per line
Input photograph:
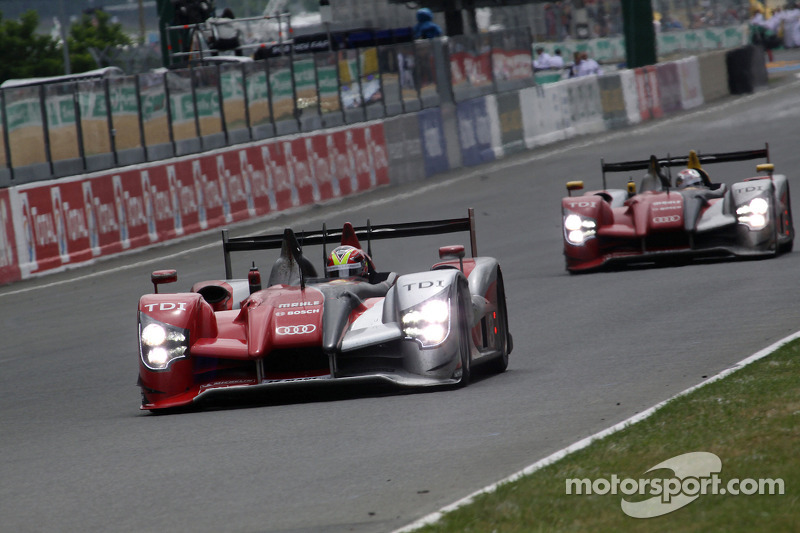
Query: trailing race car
x,y
692,217
354,323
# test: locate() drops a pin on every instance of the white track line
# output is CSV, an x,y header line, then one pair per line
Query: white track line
x,y
581,444
535,155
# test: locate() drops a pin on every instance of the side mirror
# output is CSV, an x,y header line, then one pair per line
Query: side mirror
x,y
455,251
163,276
574,186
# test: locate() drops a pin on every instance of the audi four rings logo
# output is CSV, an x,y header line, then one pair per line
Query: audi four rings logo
x,y
296,330
665,220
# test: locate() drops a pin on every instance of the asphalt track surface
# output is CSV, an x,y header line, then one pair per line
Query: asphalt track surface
x,y
76,454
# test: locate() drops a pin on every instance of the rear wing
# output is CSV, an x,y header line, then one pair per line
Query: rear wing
x,y
683,161
369,232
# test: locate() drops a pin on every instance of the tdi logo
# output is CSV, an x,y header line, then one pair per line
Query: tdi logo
x,y
751,188
424,285
166,306
573,205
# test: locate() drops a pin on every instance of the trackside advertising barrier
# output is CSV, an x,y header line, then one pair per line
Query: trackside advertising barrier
x,y
474,132
509,114
689,76
544,114
669,86
630,92
713,75
649,93
53,225
434,147
612,99
586,110
404,147
75,220
9,260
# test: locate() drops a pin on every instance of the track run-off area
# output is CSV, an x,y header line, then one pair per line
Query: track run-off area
x,y
77,454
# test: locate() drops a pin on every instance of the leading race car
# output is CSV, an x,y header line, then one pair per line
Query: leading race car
x,y
354,323
688,218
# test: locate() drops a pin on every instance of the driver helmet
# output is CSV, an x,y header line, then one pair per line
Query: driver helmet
x,y
688,177
346,262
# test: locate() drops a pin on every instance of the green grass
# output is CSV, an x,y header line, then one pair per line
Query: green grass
x,y
750,419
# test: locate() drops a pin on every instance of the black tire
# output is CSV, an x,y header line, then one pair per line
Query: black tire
x,y
786,247
500,363
464,343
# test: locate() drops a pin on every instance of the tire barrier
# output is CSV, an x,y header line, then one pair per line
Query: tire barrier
x,y
746,69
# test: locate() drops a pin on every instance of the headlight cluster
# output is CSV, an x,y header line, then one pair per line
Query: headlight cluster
x,y
577,228
753,213
428,323
161,344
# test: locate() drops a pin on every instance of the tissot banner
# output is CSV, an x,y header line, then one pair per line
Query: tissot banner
x,y
55,225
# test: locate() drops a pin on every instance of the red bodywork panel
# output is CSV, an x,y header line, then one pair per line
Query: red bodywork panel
x,y
273,319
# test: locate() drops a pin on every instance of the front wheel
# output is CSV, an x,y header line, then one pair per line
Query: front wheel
x,y
787,226
500,363
464,342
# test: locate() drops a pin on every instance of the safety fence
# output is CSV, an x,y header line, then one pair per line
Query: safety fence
x,y
669,45
57,130
57,224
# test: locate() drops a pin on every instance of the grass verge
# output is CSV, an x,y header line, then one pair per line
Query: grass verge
x,y
750,420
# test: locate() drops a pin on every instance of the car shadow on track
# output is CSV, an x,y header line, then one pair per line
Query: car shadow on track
x,y
306,393
674,262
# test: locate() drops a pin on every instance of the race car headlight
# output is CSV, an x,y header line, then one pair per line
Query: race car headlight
x,y
577,228
427,323
160,344
753,213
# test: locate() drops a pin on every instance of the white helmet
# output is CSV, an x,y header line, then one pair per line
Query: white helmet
x,y
688,177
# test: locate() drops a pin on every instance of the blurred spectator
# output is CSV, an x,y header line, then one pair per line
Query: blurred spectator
x,y
426,28
556,61
586,66
542,60
762,30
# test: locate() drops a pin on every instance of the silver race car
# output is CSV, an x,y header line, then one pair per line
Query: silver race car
x,y
352,323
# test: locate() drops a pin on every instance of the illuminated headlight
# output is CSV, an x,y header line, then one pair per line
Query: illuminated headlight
x,y
753,213
161,344
427,323
578,229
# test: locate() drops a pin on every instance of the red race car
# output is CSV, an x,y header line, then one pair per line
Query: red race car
x,y
689,216
354,323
